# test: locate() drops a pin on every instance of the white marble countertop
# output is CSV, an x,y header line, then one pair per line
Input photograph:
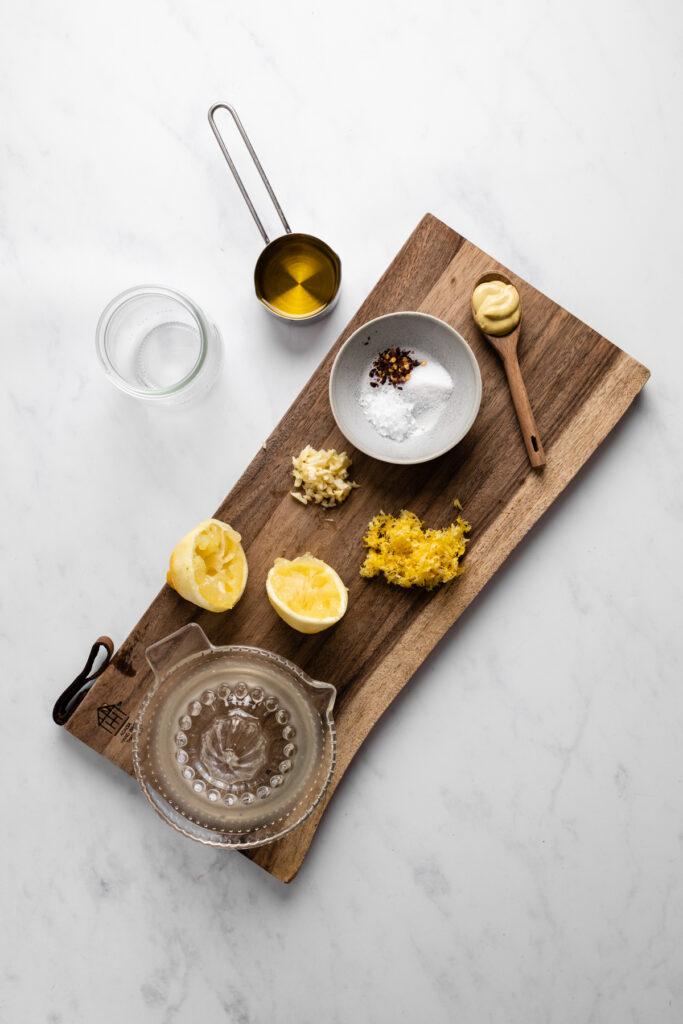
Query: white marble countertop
x,y
529,870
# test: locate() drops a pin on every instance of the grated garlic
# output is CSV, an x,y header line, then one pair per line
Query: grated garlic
x,y
323,476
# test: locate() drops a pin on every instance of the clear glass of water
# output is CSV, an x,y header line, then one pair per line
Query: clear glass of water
x,y
155,343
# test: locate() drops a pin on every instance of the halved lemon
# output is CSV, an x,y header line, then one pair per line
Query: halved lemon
x,y
307,593
209,567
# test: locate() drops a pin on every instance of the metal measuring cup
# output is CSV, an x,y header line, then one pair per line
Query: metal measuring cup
x,y
282,255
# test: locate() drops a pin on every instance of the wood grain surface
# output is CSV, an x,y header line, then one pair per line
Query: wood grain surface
x,y
579,384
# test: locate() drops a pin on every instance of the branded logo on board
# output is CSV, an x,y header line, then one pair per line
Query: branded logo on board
x,y
111,717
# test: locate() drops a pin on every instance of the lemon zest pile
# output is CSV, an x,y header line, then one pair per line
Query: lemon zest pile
x,y
411,556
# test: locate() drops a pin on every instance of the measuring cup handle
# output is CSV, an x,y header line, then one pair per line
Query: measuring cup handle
x,y
252,153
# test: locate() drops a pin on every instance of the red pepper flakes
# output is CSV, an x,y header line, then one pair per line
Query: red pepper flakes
x,y
393,366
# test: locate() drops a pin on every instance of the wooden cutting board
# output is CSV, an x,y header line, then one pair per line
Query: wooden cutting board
x,y
579,384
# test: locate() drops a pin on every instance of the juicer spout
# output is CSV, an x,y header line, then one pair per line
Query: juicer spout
x,y
166,653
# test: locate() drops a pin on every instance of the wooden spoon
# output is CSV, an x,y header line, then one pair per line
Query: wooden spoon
x,y
506,347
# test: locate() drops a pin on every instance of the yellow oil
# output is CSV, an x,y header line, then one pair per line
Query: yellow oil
x,y
297,277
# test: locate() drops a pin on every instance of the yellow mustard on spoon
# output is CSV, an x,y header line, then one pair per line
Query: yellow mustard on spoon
x,y
497,311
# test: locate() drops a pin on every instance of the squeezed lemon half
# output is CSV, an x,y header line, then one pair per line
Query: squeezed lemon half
x,y
209,567
306,593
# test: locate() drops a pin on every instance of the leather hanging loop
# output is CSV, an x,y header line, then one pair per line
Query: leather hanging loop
x,y
67,703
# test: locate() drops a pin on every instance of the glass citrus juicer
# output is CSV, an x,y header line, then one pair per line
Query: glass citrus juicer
x,y
233,746
297,276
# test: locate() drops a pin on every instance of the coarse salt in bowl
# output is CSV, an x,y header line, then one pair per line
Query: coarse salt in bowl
x,y
428,413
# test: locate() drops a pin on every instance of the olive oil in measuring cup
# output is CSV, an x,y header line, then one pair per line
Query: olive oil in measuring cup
x,y
297,276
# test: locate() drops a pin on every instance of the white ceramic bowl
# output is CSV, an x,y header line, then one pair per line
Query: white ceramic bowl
x,y
429,339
